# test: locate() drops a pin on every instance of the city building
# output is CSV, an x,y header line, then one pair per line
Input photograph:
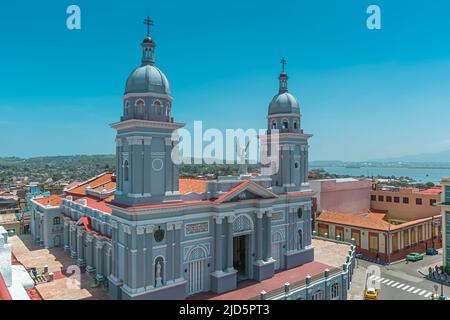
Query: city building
x,y
445,212
346,214
147,234
406,204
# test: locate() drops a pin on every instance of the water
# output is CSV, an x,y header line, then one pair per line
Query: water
x,y
419,174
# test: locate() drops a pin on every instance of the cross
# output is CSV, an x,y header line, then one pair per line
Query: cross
x,y
283,62
149,23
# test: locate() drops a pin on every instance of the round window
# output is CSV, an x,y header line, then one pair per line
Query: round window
x,y
157,164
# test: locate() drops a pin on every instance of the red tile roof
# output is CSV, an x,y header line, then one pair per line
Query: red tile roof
x,y
368,220
192,185
232,191
52,200
432,191
104,181
251,288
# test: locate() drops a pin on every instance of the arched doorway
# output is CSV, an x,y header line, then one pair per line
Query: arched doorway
x,y
197,270
277,249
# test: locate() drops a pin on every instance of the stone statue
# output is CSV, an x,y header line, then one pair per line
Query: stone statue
x,y
158,274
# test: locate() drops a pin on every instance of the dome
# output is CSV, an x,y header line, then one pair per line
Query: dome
x,y
284,102
147,79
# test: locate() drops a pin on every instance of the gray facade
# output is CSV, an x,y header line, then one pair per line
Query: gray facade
x,y
160,244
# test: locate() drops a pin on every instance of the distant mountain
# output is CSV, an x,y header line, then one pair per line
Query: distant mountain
x,y
433,157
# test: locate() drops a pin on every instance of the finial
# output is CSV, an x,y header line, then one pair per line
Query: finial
x,y
283,62
148,22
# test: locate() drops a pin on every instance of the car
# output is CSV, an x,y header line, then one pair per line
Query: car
x,y
371,294
414,256
431,252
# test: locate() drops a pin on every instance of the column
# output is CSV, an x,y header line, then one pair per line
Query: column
x,y
81,262
115,249
268,236
149,271
66,235
230,267
99,263
218,245
73,240
169,265
178,263
90,265
259,236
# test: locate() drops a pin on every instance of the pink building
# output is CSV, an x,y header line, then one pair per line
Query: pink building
x,y
347,195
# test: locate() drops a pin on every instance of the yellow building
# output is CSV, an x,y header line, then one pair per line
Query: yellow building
x,y
10,223
406,204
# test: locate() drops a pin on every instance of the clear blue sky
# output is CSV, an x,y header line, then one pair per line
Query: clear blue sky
x,y
364,94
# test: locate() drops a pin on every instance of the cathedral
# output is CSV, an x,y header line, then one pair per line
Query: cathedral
x,y
145,233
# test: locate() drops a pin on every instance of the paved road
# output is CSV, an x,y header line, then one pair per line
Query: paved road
x,y
402,281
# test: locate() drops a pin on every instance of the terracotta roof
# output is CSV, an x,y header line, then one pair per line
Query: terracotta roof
x,y
98,204
192,185
233,190
432,191
52,200
104,181
368,220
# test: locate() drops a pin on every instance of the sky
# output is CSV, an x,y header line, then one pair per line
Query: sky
x,y
364,94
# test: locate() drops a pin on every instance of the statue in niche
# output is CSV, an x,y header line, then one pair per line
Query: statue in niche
x,y
158,273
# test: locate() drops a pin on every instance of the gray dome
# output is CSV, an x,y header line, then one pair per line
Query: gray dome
x,y
284,103
147,79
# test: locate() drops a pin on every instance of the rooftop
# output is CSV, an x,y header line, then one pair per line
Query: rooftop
x,y
369,220
52,200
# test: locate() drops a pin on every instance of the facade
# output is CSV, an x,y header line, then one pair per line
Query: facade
x,y
445,212
406,204
376,234
146,234
346,195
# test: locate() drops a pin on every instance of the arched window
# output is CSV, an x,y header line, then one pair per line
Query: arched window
x,y
296,165
335,291
157,108
300,212
140,104
295,125
127,108
300,239
285,124
125,170
274,124
318,295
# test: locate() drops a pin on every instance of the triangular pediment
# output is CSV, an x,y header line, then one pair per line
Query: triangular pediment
x,y
245,191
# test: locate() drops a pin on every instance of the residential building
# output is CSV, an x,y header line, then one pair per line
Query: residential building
x,y
347,214
406,204
445,212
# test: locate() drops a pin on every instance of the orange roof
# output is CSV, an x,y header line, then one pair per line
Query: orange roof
x,y
432,191
104,181
98,204
52,200
192,185
369,220
233,190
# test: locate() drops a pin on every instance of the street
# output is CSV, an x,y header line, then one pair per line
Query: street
x,y
399,281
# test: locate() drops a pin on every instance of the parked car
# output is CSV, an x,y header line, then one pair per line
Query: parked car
x,y
371,294
431,252
414,256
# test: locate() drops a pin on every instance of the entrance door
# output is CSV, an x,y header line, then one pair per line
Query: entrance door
x,y
276,254
240,257
197,271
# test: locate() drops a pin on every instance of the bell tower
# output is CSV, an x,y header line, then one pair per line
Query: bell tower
x,y
289,156
144,142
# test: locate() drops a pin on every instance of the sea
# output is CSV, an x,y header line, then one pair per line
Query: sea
x,y
422,175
